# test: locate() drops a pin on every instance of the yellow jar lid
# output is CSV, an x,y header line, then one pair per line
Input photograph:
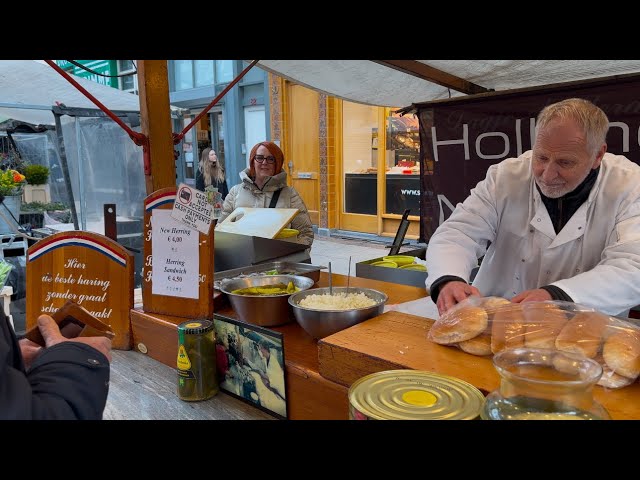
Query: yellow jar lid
x,y
415,395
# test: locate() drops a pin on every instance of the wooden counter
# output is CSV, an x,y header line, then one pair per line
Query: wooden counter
x,y
318,374
309,395
397,340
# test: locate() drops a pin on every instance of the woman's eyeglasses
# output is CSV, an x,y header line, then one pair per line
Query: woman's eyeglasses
x,y
262,158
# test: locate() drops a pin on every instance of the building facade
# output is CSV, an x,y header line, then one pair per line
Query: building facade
x,y
356,166
236,123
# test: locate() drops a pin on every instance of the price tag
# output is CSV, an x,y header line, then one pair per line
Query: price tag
x,y
176,259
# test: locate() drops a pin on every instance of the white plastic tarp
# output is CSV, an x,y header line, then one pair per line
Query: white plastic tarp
x,y
36,85
364,81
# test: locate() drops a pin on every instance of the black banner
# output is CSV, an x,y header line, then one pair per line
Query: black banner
x,y
460,139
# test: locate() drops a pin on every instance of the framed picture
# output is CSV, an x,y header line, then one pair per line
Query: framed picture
x,y
250,364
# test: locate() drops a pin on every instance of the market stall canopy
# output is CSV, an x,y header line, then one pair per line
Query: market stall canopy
x,y
399,83
28,90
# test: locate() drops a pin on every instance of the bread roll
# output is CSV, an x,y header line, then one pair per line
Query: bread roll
x,y
508,328
583,334
609,378
461,325
480,345
490,303
621,353
544,321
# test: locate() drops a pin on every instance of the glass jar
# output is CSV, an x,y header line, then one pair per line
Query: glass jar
x,y
544,384
196,362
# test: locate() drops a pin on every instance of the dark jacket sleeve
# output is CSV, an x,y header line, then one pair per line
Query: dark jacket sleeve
x,y
557,293
67,381
199,180
224,189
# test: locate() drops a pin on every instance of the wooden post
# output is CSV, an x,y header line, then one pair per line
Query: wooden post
x,y
155,119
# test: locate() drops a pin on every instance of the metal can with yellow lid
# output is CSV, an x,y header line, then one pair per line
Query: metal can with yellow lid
x,y
413,395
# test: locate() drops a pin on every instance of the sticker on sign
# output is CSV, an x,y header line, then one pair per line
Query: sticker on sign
x,y
192,208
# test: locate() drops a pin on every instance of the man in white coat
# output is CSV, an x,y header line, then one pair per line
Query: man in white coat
x,y
561,222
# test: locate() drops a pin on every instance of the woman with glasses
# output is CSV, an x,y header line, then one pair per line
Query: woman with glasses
x,y
264,184
211,173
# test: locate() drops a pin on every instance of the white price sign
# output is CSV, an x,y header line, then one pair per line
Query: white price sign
x,y
176,257
192,208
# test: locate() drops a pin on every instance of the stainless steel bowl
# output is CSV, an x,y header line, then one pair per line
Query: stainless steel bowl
x,y
263,310
322,323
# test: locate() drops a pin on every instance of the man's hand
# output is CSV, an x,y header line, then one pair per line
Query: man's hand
x,y
454,292
537,295
52,336
29,350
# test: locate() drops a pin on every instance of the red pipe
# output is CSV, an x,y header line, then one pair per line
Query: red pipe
x,y
138,138
177,137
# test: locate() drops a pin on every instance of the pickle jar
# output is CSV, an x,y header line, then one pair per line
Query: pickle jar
x,y
196,363
544,384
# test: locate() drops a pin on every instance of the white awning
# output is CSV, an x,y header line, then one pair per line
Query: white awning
x,y
365,81
28,90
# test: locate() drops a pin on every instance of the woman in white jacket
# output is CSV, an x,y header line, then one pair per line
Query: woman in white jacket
x,y
563,222
261,181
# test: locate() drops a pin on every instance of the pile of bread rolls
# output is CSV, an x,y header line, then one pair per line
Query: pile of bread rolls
x,y
485,326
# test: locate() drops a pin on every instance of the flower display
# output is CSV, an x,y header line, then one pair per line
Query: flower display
x,y
11,182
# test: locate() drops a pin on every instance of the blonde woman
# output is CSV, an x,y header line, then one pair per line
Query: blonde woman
x,y
211,173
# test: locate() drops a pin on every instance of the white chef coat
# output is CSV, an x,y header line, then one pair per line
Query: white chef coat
x,y
595,258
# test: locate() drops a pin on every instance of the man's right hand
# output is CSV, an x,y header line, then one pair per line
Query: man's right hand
x,y
52,336
454,292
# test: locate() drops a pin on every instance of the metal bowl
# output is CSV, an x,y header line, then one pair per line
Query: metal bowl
x,y
263,310
322,323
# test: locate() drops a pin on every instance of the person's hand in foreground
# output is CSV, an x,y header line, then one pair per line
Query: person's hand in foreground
x,y
30,351
52,336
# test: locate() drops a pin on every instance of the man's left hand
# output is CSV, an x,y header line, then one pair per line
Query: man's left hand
x,y
29,350
537,295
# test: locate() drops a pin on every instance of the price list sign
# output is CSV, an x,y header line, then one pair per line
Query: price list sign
x,y
175,257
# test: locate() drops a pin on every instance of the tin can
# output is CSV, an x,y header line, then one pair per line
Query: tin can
x,y
197,378
413,395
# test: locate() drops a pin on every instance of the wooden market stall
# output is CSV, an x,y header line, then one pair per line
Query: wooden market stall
x,y
318,374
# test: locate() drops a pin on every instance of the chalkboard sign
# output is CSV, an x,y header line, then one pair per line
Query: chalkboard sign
x,y
88,268
177,278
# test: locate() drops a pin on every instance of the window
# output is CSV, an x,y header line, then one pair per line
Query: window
x,y
128,83
203,72
189,74
183,72
224,71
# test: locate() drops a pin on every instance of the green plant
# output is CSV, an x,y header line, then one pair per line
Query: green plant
x,y
42,207
11,182
36,174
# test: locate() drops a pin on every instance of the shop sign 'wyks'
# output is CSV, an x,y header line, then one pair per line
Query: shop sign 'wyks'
x,y
87,268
